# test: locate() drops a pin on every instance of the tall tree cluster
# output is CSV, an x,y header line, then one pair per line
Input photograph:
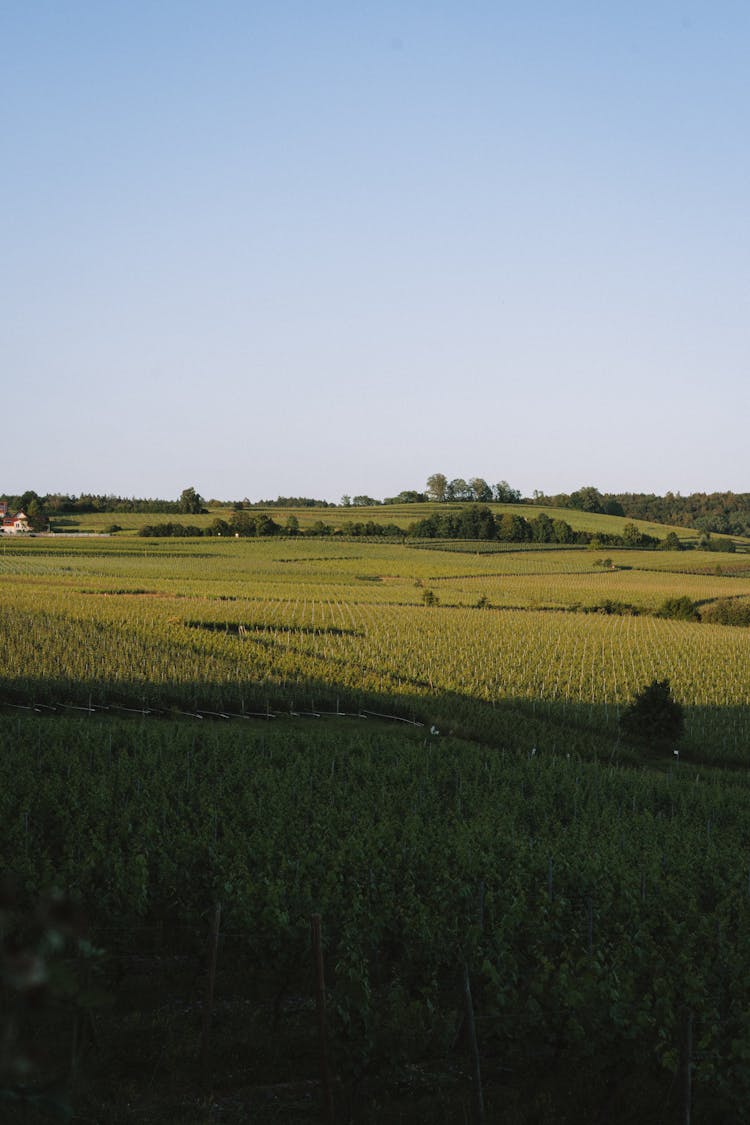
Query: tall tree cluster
x,y
476,490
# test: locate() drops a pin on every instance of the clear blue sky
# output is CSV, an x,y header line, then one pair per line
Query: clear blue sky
x,y
324,247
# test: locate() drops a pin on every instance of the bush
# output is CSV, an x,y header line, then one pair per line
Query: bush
x,y
721,544
654,716
727,611
681,609
609,607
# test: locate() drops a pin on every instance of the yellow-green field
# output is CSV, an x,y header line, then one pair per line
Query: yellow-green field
x,y
400,514
288,624
186,723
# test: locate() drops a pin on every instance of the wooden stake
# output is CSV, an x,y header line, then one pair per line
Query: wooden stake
x,y
208,1006
320,998
590,913
686,1068
472,1029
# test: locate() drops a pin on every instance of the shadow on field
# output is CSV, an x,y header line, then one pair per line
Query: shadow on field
x,y
714,735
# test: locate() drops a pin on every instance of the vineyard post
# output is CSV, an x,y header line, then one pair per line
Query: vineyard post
x,y
158,950
320,997
590,914
472,1029
686,1067
213,948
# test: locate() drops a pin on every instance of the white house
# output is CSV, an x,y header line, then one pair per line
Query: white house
x,y
15,525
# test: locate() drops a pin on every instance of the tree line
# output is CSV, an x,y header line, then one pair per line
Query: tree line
x,y
472,522
477,521
718,513
721,513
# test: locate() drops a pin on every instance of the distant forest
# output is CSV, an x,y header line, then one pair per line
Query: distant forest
x,y
722,513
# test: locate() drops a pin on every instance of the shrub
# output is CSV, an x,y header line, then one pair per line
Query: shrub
x,y
720,544
609,607
681,609
727,611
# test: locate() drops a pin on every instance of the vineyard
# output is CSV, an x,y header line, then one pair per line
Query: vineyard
x,y
504,881
400,515
283,626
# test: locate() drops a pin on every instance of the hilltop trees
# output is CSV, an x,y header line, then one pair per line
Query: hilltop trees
x,y
408,496
440,489
503,493
480,490
588,499
191,502
436,487
458,489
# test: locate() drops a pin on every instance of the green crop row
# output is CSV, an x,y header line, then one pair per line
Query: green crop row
x,y
591,906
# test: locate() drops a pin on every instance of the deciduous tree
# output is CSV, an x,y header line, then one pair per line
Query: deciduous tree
x,y
191,502
436,486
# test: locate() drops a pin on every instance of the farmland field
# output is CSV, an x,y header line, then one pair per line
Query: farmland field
x,y
401,515
287,624
293,726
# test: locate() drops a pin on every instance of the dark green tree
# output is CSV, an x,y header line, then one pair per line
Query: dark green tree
x,y
408,496
504,494
563,532
457,489
265,525
588,499
191,502
480,490
476,522
512,528
242,523
632,535
681,609
613,508
38,518
542,529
